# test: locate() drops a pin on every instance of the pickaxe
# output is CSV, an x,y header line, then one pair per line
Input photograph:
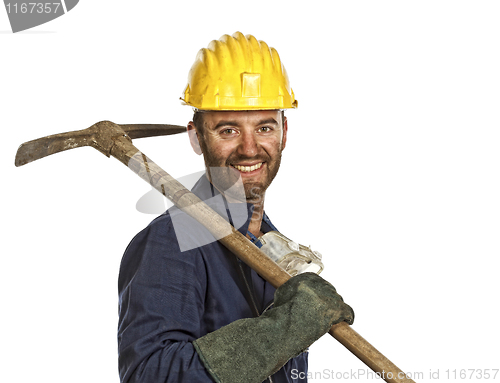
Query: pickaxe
x,y
116,140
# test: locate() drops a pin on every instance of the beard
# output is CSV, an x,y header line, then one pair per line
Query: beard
x,y
228,180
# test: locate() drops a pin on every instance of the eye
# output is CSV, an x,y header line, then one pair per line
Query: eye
x,y
265,129
227,132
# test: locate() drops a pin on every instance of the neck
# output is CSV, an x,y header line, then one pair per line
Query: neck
x,y
258,208
256,219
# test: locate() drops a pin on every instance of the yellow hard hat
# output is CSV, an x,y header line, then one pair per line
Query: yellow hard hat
x,y
238,73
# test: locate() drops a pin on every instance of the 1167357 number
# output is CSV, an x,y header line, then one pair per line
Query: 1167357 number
x,y
32,7
472,373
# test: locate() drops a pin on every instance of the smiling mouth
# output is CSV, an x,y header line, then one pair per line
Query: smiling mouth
x,y
246,169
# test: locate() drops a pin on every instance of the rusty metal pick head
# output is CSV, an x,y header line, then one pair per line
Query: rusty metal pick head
x,y
100,136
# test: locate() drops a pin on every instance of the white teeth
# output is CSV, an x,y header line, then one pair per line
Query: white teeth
x,y
246,169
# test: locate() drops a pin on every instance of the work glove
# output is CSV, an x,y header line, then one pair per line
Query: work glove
x,y
250,350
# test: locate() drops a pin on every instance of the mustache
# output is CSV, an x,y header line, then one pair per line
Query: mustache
x,y
239,159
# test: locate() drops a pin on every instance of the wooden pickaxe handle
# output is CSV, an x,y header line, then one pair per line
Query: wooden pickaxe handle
x,y
111,139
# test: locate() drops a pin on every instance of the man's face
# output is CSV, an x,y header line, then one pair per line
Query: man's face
x,y
247,144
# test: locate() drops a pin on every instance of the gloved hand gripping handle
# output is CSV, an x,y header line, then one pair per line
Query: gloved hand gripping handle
x,y
250,350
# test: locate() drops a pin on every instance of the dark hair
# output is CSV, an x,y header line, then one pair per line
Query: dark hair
x,y
198,121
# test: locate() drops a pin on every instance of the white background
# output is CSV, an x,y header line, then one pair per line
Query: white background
x,y
391,171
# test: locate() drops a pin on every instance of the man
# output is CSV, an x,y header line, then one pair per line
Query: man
x,y
190,311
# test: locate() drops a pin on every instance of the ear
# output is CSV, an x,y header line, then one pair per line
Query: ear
x,y
285,132
193,138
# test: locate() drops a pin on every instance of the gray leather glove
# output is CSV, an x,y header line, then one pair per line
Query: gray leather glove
x,y
250,350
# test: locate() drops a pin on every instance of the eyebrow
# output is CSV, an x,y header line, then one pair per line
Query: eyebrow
x,y
234,123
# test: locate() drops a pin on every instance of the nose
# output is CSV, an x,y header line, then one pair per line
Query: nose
x,y
248,145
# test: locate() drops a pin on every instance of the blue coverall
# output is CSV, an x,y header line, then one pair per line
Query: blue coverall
x,y
169,298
